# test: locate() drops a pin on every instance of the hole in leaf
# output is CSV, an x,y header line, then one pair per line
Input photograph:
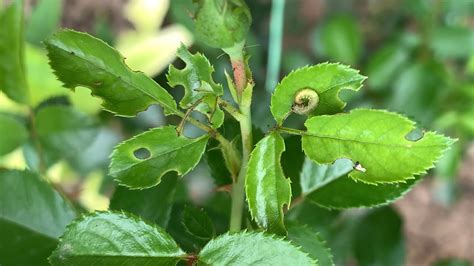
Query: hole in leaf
x,y
415,135
142,153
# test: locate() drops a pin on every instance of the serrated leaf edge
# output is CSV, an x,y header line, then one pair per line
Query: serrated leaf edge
x,y
122,213
122,59
179,173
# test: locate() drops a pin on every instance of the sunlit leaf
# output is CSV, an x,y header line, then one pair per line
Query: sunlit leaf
x,y
247,248
376,142
267,188
12,68
108,238
141,161
326,79
79,59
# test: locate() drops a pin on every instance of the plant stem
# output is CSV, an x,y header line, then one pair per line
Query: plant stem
x,y
39,148
274,44
228,150
292,131
238,188
229,108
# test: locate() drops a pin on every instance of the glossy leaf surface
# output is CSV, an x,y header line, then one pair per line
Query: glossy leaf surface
x,y
108,238
267,188
79,59
247,248
153,204
163,151
32,217
330,187
310,242
326,79
12,69
13,134
376,142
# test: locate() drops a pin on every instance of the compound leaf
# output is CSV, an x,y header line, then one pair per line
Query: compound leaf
x,y
246,248
376,141
326,79
12,69
13,134
141,161
200,90
109,238
310,242
32,217
330,187
79,59
266,186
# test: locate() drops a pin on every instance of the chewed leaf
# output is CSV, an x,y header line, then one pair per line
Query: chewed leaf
x,y
199,86
141,161
376,143
326,79
330,187
266,186
79,59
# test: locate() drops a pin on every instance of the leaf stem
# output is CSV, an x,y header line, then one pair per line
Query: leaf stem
x,y
229,108
274,44
36,141
238,188
292,131
239,67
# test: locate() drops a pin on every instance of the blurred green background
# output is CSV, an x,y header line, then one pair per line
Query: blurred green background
x,y
418,56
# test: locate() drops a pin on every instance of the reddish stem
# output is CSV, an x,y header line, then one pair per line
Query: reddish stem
x,y
240,78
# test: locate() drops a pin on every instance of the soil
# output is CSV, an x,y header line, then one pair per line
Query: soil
x,y
433,231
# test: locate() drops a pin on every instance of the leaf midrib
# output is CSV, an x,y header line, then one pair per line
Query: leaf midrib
x,y
160,154
310,134
74,54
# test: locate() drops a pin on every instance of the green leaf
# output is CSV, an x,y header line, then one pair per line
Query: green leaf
x,y
79,59
109,238
153,204
32,216
376,141
311,243
385,64
12,69
163,151
266,186
379,239
200,90
13,134
341,40
64,131
246,248
445,42
44,20
330,187
197,223
326,79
